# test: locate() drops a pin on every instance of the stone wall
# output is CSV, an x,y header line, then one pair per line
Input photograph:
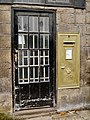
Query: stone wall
x,y
5,58
68,20
71,20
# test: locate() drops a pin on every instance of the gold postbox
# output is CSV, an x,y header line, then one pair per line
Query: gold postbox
x,y
68,60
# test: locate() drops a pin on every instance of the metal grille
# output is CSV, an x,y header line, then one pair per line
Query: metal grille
x,y
33,49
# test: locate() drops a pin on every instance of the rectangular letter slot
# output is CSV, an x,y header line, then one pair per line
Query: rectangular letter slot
x,y
68,43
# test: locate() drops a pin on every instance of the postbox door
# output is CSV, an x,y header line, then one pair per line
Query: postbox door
x,y
68,60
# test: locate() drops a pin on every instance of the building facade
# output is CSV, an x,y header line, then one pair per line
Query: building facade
x,y
44,54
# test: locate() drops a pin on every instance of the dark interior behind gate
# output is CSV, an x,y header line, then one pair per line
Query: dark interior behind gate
x,y
33,56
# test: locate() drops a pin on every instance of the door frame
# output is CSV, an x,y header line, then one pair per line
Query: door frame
x,y
13,12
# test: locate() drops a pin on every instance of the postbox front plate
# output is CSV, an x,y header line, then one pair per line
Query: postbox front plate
x,y
68,60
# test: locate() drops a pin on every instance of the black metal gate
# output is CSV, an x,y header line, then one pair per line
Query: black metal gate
x,y
33,55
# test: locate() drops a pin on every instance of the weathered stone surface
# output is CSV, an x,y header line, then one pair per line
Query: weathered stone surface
x,y
66,10
87,78
5,41
5,56
5,7
5,101
4,18
87,40
88,18
82,53
5,70
80,18
5,28
82,72
66,28
87,29
5,84
80,11
88,6
82,29
88,53
68,18
82,40
69,99
85,91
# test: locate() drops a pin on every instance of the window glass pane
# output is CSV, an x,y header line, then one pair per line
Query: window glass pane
x,y
44,24
33,24
46,52
46,71
41,41
36,61
36,72
26,72
31,61
22,41
42,61
36,53
44,41
20,73
22,23
31,72
25,61
33,41
47,41
41,72
25,53
36,41
46,61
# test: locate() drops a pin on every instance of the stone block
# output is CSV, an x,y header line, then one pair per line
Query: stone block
x,y
88,66
5,41
65,10
5,7
5,69
85,91
82,53
80,18
82,29
82,72
72,100
5,16
88,6
87,40
5,85
67,28
87,78
88,29
5,28
68,18
5,102
58,18
88,53
5,56
80,11
88,18
82,40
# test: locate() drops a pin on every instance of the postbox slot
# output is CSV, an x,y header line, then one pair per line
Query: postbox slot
x,y
69,42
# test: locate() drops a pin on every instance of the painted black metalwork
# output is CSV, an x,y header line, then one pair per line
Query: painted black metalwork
x,y
34,94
